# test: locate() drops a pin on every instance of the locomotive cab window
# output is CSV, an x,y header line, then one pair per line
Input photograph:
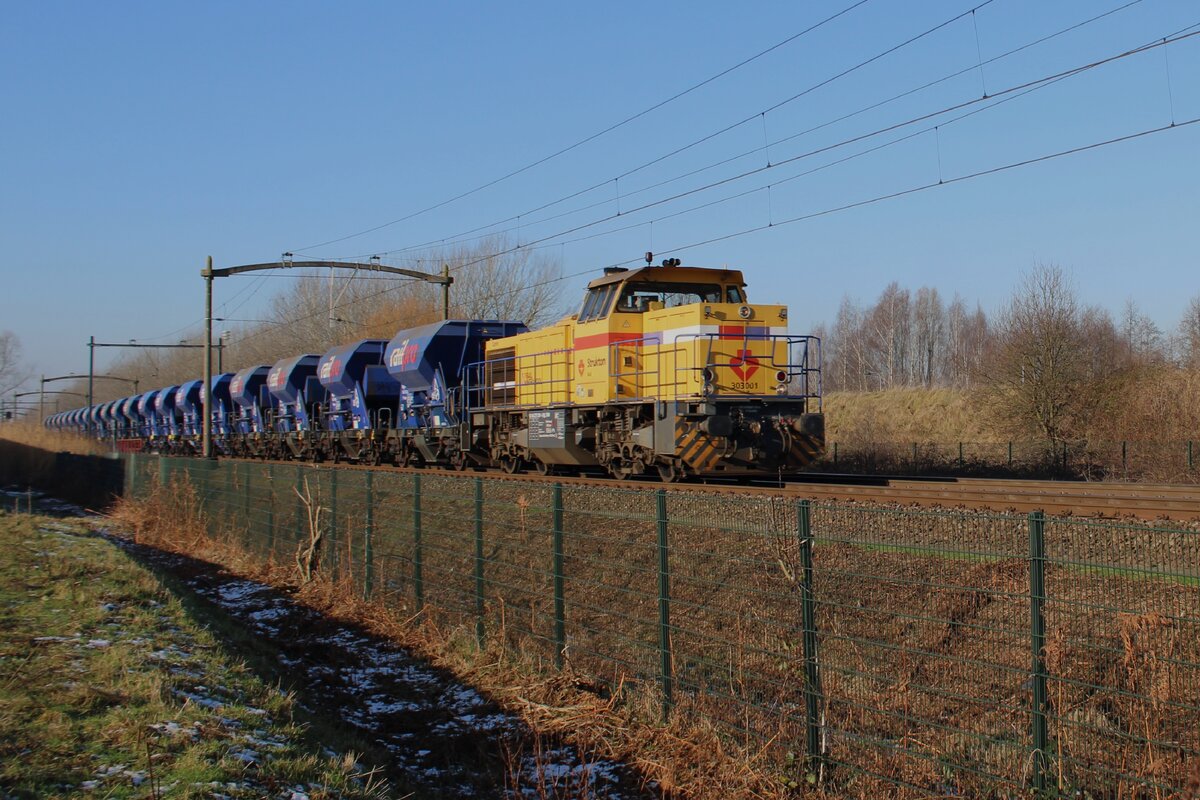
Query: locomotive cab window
x,y
734,295
596,304
637,298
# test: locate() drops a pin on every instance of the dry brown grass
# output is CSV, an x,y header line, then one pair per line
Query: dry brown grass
x,y
685,756
34,435
905,415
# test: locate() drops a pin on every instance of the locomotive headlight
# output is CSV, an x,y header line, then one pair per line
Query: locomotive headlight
x,y
745,312
781,388
783,313
781,376
708,375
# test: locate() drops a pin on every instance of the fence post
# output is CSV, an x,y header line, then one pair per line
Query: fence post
x,y
1037,642
369,535
227,495
479,629
270,509
245,476
1189,455
418,577
664,605
835,454
560,617
1010,455
300,517
1125,460
808,616
334,553
960,455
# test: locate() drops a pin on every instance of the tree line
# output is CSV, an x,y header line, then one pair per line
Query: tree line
x,y
1043,365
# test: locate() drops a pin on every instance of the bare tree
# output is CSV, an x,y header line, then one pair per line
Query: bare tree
x,y
11,372
889,327
1038,368
967,336
1143,339
1189,335
929,328
845,350
493,280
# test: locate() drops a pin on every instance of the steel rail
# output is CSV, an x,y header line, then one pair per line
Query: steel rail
x,y
1175,502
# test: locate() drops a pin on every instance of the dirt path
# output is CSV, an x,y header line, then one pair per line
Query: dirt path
x,y
426,729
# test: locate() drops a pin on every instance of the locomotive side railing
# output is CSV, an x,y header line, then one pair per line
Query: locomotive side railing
x,y
497,382
643,368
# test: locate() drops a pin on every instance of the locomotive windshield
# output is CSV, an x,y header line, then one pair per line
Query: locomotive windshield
x,y
645,296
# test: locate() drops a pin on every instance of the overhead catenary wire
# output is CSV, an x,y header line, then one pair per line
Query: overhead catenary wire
x,y
1163,41
488,230
592,137
776,223
1186,33
834,209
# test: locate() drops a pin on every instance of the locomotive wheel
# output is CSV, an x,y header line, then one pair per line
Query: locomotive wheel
x,y
669,473
542,468
619,470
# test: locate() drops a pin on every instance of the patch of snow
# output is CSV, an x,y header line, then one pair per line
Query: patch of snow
x,y
200,700
238,592
269,613
246,755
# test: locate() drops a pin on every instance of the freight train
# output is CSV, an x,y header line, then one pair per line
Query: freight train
x,y
665,370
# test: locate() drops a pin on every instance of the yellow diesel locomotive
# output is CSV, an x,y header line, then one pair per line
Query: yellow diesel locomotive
x,y
665,369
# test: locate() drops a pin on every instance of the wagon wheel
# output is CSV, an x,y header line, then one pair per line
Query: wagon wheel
x,y
669,472
511,464
542,468
619,470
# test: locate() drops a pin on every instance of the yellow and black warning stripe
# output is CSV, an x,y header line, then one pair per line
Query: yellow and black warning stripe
x,y
805,450
695,447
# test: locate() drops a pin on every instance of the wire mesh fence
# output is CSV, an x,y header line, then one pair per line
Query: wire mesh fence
x,y
874,650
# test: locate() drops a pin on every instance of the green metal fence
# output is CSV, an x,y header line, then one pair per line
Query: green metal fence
x,y
878,651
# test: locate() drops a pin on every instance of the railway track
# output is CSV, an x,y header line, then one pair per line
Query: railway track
x,y
1084,499
1177,502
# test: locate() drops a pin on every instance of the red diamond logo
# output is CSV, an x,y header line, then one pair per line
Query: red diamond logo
x,y
744,365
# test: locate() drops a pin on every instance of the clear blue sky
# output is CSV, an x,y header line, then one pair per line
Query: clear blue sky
x,y
138,137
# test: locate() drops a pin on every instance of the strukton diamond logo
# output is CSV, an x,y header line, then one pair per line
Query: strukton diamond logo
x,y
744,365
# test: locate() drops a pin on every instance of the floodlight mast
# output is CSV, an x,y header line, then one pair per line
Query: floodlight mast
x,y
208,273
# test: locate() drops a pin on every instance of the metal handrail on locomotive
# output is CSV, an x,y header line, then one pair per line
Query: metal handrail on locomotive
x,y
666,370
